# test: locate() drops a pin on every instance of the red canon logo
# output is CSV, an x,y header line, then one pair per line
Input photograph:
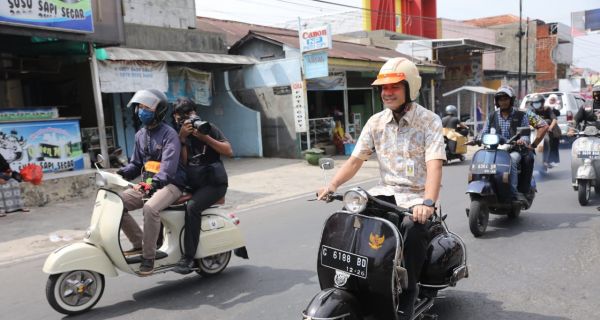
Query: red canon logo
x,y
313,34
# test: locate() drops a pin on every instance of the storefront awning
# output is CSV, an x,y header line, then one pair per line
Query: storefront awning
x,y
118,53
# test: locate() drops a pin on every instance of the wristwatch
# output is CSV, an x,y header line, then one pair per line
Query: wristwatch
x,y
429,203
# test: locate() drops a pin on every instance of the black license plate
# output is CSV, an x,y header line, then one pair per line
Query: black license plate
x,y
588,154
483,168
344,261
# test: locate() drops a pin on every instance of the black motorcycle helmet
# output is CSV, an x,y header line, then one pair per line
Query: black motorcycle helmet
x,y
537,101
154,99
596,95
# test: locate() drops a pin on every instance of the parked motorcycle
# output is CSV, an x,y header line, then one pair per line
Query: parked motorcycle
x,y
360,264
489,182
77,270
585,163
455,143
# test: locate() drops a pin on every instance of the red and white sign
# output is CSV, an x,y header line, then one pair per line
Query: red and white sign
x,y
299,105
315,38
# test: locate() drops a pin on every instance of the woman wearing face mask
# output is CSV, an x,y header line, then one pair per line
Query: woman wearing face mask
x,y
552,139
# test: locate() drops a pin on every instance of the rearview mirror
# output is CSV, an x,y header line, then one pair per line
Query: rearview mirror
x,y
99,158
524,131
326,163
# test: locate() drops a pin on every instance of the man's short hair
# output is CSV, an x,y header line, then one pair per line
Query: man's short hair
x,y
183,106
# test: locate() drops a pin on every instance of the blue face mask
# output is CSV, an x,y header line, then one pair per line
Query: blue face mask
x,y
146,116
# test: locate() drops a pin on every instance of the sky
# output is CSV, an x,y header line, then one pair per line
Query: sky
x,y
277,12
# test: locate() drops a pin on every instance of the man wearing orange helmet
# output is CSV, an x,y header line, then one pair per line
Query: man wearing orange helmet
x,y
409,145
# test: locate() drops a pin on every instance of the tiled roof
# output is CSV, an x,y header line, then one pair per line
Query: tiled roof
x,y
493,21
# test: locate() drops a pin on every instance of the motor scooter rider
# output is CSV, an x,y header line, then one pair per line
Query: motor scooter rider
x,y
451,120
551,140
586,114
199,152
409,144
156,155
506,121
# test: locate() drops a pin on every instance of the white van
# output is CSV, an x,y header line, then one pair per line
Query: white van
x,y
569,103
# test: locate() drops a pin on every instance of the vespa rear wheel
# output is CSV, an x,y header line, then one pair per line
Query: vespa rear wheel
x,y
479,215
583,192
213,265
74,292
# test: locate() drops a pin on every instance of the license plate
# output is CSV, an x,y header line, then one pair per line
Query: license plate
x,y
483,168
344,261
588,154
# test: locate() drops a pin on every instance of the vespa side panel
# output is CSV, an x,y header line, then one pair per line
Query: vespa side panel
x,y
218,235
79,256
374,239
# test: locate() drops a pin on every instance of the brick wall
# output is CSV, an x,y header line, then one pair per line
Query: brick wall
x,y
546,78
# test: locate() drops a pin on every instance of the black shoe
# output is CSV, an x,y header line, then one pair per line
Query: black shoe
x,y
185,265
147,267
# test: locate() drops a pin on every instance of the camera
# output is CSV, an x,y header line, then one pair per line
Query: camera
x,y
200,125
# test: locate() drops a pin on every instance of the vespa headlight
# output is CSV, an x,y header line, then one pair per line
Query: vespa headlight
x,y
355,200
490,139
100,180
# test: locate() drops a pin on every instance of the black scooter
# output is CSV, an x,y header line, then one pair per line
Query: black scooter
x,y
360,264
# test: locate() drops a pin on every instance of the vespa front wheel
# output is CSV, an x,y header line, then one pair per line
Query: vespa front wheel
x,y
213,265
74,292
479,215
583,192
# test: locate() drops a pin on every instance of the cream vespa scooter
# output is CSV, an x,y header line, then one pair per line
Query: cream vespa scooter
x,y
77,270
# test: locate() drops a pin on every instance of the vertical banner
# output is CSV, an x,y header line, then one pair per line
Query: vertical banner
x,y
299,105
68,15
54,145
315,64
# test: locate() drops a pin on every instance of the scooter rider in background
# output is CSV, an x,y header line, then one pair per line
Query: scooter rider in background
x,y
409,144
201,154
585,114
551,142
451,120
506,120
156,155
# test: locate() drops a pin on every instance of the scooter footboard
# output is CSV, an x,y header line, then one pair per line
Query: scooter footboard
x,y
79,256
332,303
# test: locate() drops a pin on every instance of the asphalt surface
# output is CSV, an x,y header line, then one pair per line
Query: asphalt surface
x,y
543,265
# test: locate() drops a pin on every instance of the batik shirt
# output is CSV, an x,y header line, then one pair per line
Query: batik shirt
x,y
402,149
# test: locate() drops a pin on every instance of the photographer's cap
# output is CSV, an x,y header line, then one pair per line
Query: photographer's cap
x,y
145,97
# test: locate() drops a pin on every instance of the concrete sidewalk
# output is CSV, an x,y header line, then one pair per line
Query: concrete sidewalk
x,y
253,182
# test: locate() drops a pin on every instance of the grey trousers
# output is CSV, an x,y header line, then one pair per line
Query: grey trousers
x,y
160,200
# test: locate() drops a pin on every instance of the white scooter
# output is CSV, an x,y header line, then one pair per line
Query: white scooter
x,y
585,163
77,270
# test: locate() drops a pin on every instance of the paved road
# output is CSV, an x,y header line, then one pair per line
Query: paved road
x,y
542,266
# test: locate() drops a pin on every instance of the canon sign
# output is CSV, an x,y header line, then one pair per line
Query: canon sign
x,y
315,39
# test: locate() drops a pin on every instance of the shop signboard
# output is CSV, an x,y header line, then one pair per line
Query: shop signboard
x,y
315,64
28,114
55,145
299,105
64,15
315,38
131,76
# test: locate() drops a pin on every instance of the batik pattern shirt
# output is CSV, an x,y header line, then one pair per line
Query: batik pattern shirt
x,y
402,150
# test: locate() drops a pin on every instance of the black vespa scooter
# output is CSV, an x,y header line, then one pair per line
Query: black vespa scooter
x,y
360,264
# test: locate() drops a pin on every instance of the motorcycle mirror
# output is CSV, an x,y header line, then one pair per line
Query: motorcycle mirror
x,y
326,163
99,158
524,131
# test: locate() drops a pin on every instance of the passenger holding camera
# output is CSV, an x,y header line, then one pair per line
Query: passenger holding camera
x,y
202,145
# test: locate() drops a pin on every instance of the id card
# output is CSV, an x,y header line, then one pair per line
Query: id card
x,y
410,168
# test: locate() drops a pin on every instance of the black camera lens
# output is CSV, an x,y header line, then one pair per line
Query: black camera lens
x,y
202,126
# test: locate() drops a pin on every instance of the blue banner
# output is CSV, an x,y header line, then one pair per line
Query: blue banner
x,y
69,15
315,65
54,145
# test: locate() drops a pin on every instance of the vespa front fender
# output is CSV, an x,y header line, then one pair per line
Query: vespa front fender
x,y
479,187
332,304
586,172
79,256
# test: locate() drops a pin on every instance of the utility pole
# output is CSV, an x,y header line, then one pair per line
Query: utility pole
x,y
520,36
527,57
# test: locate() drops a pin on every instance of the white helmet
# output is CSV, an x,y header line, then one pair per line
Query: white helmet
x,y
505,91
400,69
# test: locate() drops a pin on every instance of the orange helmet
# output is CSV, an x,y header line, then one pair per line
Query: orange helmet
x,y
400,69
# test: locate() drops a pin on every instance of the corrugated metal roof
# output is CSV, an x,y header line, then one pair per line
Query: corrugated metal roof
x,y
481,90
120,53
